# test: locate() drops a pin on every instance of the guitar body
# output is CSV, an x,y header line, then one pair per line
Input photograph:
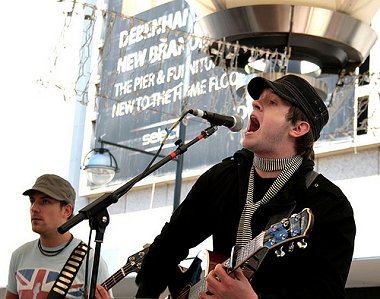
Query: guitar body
x,y
190,278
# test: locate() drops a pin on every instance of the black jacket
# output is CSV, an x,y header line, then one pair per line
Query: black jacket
x,y
213,207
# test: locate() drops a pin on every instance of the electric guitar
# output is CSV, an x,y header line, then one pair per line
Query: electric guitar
x,y
249,257
133,265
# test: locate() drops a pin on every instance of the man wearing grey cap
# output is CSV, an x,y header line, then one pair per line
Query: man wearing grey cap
x,y
234,201
35,266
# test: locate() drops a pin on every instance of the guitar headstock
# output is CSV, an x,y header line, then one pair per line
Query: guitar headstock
x,y
133,265
136,259
295,228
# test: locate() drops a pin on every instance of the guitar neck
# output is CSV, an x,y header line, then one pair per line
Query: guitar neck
x,y
242,255
245,253
133,265
116,277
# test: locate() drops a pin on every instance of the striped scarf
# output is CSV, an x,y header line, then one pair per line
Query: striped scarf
x,y
288,167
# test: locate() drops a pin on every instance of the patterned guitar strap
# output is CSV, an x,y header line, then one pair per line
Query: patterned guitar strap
x,y
69,271
288,167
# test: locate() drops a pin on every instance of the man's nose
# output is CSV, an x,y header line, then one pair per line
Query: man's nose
x,y
257,105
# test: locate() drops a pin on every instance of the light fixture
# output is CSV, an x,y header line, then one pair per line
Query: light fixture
x,y
100,166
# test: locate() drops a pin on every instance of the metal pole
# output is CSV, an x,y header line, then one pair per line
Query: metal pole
x,y
179,169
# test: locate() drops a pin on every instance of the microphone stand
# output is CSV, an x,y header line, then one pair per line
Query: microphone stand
x,y
97,212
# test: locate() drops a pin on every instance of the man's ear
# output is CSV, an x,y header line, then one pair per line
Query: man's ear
x,y
69,210
299,129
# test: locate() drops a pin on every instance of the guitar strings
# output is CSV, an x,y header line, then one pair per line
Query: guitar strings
x,y
119,274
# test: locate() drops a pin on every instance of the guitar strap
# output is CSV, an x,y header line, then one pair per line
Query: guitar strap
x,y
69,271
254,262
286,213
310,177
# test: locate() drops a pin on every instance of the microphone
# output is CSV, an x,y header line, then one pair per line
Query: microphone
x,y
234,123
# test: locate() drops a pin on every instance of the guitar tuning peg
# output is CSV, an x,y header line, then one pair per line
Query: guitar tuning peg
x,y
280,252
291,247
302,244
274,227
285,222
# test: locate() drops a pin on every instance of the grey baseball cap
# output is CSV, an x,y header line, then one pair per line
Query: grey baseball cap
x,y
55,187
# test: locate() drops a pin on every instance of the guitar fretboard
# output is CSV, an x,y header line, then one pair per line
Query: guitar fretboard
x,y
116,277
133,265
249,249
243,254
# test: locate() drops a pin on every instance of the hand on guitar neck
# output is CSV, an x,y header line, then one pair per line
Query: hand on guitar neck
x,y
224,285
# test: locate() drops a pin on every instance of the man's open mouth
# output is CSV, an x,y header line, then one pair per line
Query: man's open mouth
x,y
254,124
